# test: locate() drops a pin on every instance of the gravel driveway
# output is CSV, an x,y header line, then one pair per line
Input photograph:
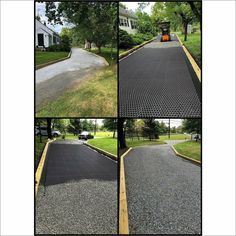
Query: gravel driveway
x,y
163,192
80,193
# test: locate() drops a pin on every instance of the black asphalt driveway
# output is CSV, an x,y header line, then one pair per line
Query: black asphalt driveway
x,y
158,81
163,192
78,191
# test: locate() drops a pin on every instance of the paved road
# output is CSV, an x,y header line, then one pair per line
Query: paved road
x,y
163,192
80,193
158,81
52,80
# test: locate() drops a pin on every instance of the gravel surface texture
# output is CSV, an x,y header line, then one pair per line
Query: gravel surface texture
x,y
78,191
163,192
158,80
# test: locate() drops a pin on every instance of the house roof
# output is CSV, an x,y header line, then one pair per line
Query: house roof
x,y
127,13
47,27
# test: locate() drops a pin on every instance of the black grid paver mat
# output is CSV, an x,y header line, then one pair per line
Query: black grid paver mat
x,y
158,81
69,162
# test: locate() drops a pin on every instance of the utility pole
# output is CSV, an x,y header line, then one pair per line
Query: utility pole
x,y
95,126
169,129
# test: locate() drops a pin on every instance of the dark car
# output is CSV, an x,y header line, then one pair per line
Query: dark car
x,y
85,135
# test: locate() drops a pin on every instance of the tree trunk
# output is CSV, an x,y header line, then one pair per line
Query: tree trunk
x,y
196,13
49,130
114,133
99,49
121,134
185,31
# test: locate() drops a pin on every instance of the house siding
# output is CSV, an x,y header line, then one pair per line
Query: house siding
x,y
48,35
127,21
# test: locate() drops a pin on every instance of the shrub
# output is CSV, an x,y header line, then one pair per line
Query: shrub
x,y
125,40
139,38
64,46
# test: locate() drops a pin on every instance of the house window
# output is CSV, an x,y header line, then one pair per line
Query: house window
x,y
123,22
133,24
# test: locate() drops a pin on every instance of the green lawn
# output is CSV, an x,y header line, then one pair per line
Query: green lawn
x,y
111,58
44,57
175,137
39,146
122,50
193,44
106,144
141,142
68,136
96,94
191,149
103,134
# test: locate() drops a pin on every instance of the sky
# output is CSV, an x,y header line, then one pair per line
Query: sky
x,y
40,10
134,5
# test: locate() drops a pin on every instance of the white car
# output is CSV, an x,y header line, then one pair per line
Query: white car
x,y
44,132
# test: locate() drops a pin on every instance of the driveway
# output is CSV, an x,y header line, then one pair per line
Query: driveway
x,y
52,80
163,192
78,191
158,81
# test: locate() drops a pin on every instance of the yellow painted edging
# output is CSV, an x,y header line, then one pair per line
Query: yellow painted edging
x,y
123,211
39,170
185,157
192,61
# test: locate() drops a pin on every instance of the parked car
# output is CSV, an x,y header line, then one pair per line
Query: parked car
x,y
85,135
44,132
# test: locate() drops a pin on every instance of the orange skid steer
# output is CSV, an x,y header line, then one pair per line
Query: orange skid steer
x,y
165,31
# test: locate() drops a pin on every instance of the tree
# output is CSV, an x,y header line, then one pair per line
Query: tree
x,y
177,13
151,129
138,126
196,8
74,126
49,128
94,21
129,127
121,133
111,125
145,24
192,125
163,128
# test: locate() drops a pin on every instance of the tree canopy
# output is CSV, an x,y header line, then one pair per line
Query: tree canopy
x,y
95,22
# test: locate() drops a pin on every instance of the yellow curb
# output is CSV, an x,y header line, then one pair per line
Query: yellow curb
x,y
191,60
53,62
126,53
185,157
39,170
114,157
123,211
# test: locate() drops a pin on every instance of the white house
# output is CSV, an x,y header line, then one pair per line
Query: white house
x,y
45,37
127,20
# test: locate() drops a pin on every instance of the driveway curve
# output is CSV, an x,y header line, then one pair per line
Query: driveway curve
x,y
53,80
80,59
163,192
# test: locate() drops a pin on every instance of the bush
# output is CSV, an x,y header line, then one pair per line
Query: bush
x,y
58,48
64,46
125,40
139,38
